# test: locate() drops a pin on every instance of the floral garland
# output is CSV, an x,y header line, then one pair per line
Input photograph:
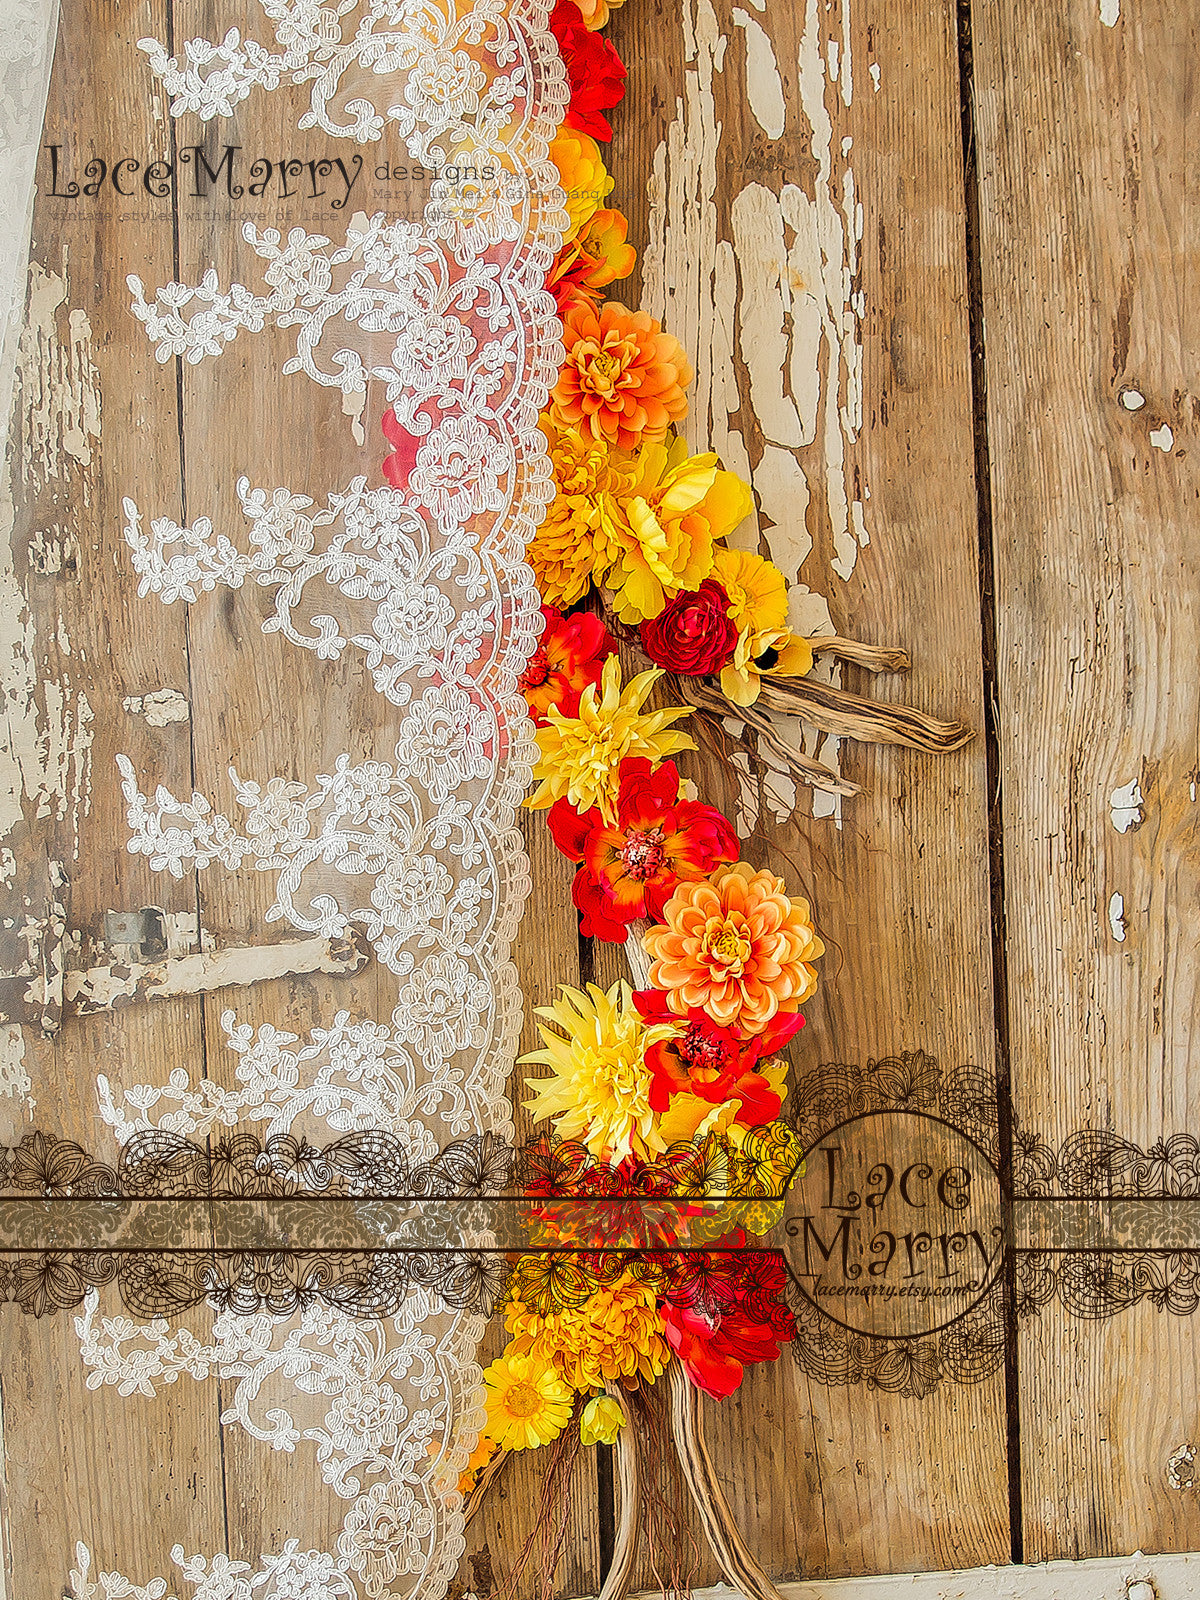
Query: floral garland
x,y
675,1087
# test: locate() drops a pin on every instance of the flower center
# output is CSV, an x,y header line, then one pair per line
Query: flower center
x,y
523,1400
604,369
537,670
643,854
728,946
701,1051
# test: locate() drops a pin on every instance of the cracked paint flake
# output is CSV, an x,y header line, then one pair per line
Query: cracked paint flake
x,y
60,386
1125,806
160,707
1162,438
1116,917
764,87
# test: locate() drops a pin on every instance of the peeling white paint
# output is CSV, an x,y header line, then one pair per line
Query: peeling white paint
x,y
46,737
1133,399
14,1079
778,293
764,87
1116,917
1110,10
159,707
873,69
353,406
60,411
1162,438
1125,806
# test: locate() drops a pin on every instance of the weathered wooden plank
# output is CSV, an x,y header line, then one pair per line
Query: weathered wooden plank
x,y
1087,192
832,356
95,416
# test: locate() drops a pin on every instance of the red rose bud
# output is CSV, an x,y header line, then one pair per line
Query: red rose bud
x,y
693,634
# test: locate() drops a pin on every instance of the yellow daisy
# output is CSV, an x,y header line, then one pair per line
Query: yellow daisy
x,y
528,1404
580,757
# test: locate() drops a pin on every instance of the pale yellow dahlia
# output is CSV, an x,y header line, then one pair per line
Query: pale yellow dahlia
x,y
758,609
617,1336
580,756
666,525
600,1090
574,544
528,1404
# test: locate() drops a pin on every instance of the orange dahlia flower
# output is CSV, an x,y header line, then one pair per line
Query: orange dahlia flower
x,y
737,946
596,257
622,377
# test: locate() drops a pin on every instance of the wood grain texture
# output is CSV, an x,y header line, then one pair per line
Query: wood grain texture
x,y
830,1481
94,414
1083,158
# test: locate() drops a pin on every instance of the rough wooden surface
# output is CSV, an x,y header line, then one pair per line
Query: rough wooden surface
x,y
793,176
1081,111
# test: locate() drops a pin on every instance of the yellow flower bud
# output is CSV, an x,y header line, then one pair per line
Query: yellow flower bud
x,y
602,1420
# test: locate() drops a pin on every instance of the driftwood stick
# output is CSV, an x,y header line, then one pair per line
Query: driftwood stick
x,y
852,716
725,1541
874,657
715,706
629,1503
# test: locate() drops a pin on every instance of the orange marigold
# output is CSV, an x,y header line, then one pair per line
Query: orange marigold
x,y
622,378
616,1336
737,946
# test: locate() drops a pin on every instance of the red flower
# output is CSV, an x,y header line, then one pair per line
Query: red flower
x,y
710,1061
403,458
715,1354
630,869
595,71
570,657
693,634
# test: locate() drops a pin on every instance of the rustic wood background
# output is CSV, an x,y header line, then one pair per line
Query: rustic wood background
x,y
926,262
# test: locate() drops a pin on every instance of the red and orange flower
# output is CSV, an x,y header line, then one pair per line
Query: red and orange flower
x,y
717,1064
631,868
598,255
570,657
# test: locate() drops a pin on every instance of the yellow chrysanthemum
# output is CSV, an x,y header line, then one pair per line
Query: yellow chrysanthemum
x,y
528,1404
602,1420
573,545
617,1336
580,756
585,179
758,608
666,525
600,1091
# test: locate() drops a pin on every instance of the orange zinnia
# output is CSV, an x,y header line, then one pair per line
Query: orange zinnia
x,y
737,946
622,378
596,257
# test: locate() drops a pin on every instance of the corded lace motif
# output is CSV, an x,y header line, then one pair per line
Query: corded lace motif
x,y
415,842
